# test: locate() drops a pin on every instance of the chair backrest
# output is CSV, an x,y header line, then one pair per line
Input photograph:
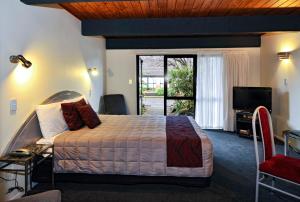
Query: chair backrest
x,y
114,104
266,130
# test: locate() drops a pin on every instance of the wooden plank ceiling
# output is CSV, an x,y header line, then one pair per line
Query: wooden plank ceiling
x,y
181,8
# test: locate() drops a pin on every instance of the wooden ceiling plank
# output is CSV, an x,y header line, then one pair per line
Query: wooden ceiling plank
x,y
171,7
40,2
144,8
295,4
246,10
150,12
118,9
136,9
205,7
94,13
72,10
243,8
285,9
102,10
221,8
270,3
161,6
214,7
112,10
279,3
225,7
187,8
82,9
123,9
153,5
261,3
180,8
164,7
255,7
274,8
127,7
288,3
197,6
239,11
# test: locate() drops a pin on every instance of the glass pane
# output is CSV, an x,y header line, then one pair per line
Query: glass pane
x,y
180,77
180,107
153,91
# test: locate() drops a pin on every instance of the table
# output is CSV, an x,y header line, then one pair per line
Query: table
x,y
295,134
29,162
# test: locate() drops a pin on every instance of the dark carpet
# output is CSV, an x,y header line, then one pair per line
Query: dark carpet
x,y
233,180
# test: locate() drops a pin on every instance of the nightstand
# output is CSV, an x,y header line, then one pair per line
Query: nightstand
x,y
29,162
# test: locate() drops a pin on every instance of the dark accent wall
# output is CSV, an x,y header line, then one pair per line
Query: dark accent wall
x,y
183,42
190,26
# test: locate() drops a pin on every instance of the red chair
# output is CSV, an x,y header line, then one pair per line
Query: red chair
x,y
274,165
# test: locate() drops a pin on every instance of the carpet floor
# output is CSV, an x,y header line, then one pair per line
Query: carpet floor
x,y
233,180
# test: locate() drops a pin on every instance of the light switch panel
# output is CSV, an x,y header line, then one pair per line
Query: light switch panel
x,y
13,105
130,81
285,82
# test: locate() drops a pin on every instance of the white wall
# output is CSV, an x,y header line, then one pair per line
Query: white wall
x,y
286,98
121,66
51,39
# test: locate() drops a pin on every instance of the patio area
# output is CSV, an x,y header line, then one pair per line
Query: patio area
x,y
154,105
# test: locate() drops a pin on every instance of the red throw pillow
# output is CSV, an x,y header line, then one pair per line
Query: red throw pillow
x,y
89,116
71,115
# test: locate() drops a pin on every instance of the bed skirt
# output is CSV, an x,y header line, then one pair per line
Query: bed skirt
x,y
42,174
131,179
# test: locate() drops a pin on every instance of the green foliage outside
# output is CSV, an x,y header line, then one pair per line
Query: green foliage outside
x,y
181,81
181,84
159,91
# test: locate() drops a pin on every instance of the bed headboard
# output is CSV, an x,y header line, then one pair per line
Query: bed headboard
x,y
30,131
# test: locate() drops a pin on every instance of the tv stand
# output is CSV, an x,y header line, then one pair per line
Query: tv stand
x,y
243,120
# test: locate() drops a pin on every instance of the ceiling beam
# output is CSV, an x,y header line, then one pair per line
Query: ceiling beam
x,y
190,26
183,42
40,2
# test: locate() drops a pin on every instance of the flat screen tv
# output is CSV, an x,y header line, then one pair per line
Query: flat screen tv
x,y
249,98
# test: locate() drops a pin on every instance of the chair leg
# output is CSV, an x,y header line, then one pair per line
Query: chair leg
x,y
257,187
273,184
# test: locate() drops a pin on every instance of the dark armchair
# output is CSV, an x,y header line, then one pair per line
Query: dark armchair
x,y
114,104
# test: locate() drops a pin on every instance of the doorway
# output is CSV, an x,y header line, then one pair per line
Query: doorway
x,y
166,84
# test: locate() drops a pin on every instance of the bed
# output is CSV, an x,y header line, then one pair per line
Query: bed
x,y
126,148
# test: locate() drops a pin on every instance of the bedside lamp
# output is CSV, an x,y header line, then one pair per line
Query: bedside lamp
x,y
284,55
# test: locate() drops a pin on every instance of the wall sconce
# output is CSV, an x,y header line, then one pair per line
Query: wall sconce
x,y
20,58
284,55
93,71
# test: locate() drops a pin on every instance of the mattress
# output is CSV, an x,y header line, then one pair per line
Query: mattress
x,y
49,140
125,145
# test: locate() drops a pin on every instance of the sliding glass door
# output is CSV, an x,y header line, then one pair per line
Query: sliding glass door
x,y
166,84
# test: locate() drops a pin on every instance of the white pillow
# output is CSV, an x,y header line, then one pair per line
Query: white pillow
x,y
51,119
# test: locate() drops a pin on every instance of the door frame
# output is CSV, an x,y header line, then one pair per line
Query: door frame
x,y
166,97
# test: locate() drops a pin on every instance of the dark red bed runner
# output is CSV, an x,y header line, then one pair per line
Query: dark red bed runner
x,y
184,148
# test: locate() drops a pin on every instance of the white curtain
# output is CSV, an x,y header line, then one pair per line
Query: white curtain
x,y
209,99
236,73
